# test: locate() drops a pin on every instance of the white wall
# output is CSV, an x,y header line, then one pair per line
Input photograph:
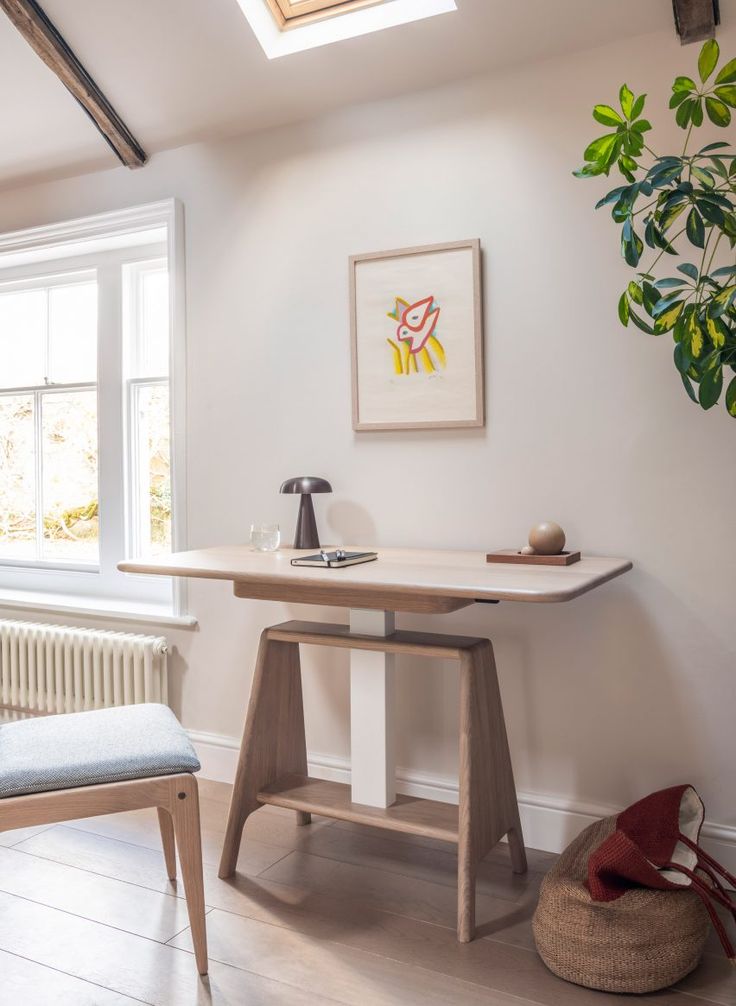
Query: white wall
x,y
622,691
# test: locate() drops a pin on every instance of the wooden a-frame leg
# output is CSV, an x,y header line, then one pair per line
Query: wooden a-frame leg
x,y
166,825
273,743
488,805
185,814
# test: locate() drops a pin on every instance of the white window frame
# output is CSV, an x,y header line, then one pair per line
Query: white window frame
x,y
38,255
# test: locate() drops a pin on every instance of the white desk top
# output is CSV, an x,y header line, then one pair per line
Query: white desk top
x,y
419,580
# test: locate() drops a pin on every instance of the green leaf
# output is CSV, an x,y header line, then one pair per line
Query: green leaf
x,y
671,214
718,113
606,115
666,320
682,118
684,84
641,324
697,113
695,337
623,309
727,73
589,170
642,126
626,97
727,94
631,244
689,388
635,293
696,228
668,282
678,97
704,177
712,212
682,358
611,196
714,146
662,304
708,58
689,270
716,330
711,385
731,394
638,106
651,297
600,149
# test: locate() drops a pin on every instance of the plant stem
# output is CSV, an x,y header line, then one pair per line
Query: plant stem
x,y
644,208
687,139
670,241
715,249
702,265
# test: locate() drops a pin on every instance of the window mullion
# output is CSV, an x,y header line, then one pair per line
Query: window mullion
x,y
110,423
38,446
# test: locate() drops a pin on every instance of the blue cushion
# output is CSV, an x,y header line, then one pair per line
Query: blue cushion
x,y
82,749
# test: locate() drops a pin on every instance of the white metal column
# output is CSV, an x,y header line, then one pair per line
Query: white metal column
x,y
372,713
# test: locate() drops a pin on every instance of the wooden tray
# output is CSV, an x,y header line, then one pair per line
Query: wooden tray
x,y
514,555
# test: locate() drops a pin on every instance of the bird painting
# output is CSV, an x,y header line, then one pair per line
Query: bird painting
x,y
418,347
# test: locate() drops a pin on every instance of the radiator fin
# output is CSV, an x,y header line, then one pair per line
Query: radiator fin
x,y
62,669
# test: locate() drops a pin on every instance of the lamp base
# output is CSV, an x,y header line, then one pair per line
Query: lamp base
x,y
306,525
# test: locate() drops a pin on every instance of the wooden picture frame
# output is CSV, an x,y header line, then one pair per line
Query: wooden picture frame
x,y
420,366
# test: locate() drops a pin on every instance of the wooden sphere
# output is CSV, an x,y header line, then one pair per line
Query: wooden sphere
x,y
547,538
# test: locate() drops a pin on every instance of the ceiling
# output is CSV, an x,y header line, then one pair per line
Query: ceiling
x,y
178,71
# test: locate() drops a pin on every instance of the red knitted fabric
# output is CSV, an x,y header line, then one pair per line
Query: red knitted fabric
x,y
656,845
646,835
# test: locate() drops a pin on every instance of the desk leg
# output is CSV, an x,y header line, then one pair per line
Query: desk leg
x,y
273,740
372,714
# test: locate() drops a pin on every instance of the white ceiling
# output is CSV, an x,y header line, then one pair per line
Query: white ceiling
x,y
184,70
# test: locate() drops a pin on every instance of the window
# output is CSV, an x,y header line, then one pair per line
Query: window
x,y
287,26
86,464
295,13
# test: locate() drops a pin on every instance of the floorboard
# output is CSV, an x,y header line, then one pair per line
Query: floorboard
x,y
330,913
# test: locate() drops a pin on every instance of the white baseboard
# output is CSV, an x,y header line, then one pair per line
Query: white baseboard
x,y
549,823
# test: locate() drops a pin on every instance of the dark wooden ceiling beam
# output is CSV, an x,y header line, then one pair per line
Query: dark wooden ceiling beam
x,y
47,42
696,20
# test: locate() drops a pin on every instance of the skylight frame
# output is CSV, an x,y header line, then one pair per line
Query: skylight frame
x,y
290,14
366,19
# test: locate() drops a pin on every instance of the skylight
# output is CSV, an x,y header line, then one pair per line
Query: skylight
x,y
287,26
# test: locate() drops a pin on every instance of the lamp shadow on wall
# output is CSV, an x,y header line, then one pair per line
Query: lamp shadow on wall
x,y
351,522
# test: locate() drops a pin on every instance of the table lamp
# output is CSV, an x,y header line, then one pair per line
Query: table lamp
x,y
306,526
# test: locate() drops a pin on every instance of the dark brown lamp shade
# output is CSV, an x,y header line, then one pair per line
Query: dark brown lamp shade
x,y
306,526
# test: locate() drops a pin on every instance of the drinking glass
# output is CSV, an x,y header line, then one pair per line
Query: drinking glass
x,y
265,537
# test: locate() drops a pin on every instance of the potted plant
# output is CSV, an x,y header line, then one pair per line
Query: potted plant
x,y
678,205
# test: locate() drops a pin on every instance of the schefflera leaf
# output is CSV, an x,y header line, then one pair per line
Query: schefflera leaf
x,y
711,385
694,201
731,395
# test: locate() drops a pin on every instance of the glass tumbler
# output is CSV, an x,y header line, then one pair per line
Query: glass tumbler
x,y
265,537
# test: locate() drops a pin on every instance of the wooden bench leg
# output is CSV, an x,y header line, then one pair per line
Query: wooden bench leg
x,y
488,806
274,742
185,814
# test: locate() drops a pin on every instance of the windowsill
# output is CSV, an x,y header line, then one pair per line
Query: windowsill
x,y
93,607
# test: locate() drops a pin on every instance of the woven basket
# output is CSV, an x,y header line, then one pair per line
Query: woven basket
x,y
643,941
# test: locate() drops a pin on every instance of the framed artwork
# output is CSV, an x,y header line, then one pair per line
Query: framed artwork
x,y
417,338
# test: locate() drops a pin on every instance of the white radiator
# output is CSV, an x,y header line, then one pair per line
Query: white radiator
x,y
59,669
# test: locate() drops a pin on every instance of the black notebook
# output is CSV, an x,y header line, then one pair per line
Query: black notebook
x,y
334,560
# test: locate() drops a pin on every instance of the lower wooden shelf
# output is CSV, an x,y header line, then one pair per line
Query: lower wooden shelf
x,y
333,799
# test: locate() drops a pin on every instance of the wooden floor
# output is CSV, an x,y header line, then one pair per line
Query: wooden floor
x,y
331,913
